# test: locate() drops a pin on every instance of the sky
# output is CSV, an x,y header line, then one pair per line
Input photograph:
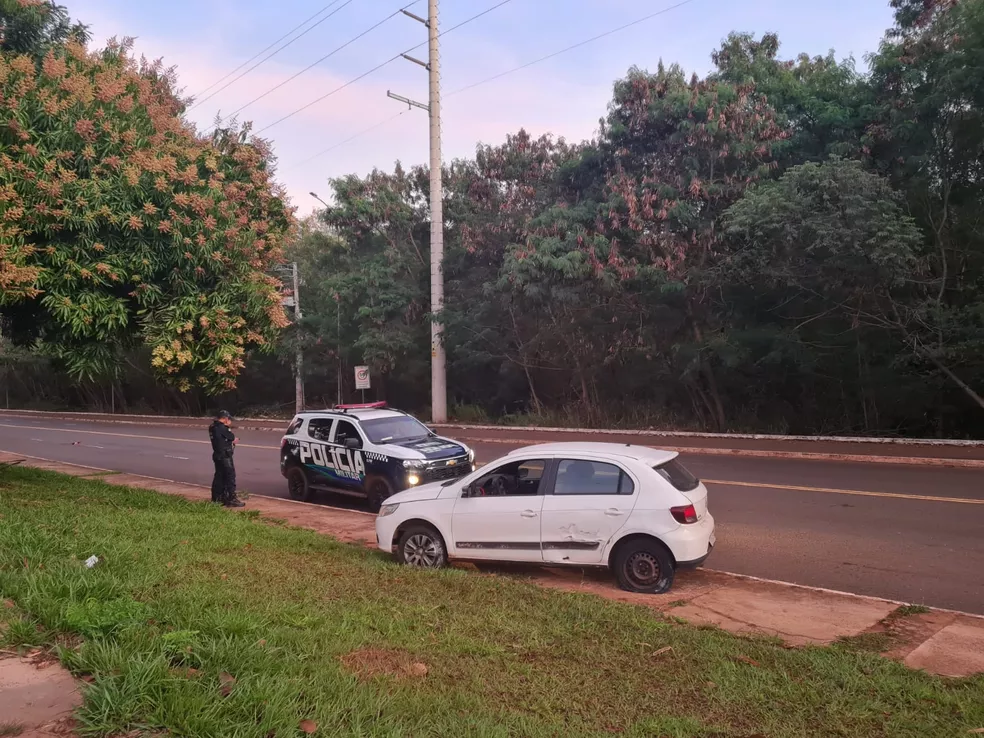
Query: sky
x,y
564,96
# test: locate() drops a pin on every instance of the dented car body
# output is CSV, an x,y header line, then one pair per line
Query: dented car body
x,y
634,509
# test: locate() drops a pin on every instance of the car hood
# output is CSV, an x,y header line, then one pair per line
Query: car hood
x,y
416,494
427,449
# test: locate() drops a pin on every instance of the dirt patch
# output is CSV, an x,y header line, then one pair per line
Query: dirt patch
x,y
370,663
40,694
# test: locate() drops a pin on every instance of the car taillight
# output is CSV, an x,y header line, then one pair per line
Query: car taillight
x,y
684,515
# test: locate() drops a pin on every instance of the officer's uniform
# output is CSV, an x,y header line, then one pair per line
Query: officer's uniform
x,y
224,481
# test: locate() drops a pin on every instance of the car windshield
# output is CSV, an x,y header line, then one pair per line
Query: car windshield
x,y
394,430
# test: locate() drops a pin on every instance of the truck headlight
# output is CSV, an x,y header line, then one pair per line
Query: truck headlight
x,y
413,479
413,464
388,509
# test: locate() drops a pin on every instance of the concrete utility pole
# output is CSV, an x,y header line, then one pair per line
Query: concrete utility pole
x,y
439,390
299,361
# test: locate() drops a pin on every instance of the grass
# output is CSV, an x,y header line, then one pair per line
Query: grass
x,y
200,622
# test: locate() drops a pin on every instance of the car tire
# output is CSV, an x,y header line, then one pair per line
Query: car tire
x,y
643,565
421,546
377,490
298,486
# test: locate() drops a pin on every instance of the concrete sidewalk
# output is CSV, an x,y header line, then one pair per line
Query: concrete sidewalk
x,y
941,642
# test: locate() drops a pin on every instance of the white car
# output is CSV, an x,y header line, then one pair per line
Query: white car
x,y
634,509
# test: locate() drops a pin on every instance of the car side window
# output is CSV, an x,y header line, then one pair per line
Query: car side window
x,y
294,427
517,478
346,430
579,477
320,428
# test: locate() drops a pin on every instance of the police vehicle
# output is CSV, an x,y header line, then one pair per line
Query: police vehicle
x,y
368,451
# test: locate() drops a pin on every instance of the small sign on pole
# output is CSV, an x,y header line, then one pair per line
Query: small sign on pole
x,y
362,378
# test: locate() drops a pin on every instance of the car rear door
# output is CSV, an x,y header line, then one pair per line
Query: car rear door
x,y
589,501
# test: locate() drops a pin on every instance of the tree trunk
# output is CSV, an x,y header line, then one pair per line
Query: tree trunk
x,y
976,398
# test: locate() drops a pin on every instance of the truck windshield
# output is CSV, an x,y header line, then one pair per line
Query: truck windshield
x,y
394,430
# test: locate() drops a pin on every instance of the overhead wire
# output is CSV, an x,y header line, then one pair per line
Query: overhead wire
x,y
380,66
262,51
271,55
508,72
324,58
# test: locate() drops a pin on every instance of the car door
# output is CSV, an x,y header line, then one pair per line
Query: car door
x,y
347,463
588,502
497,517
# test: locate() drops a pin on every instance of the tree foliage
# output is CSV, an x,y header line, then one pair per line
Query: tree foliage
x,y
120,226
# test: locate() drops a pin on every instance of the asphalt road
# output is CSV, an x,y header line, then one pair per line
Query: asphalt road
x,y
903,532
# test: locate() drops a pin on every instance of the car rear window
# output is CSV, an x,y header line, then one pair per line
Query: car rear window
x,y
294,426
678,475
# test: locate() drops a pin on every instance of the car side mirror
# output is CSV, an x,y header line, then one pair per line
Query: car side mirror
x,y
352,444
469,491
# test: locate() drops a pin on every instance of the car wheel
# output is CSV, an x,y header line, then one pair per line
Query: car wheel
x,y
377,490
298,486
644,566
423,547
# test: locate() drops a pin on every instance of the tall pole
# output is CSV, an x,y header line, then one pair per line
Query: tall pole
x,y
299,360
439,385
439,390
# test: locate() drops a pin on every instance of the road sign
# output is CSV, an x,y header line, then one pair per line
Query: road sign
x,y
362,377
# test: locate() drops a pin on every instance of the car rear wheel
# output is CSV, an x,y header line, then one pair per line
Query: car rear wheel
x,y
423,547
297,485
377,490
644,566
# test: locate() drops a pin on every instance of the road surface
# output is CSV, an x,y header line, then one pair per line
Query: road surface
x,y
906,533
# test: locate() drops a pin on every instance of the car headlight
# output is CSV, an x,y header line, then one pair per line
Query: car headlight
x,y
413,464
388,509
413,479
471,456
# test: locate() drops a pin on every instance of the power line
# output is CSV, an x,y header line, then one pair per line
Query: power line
x,y
570,48
508,72
262,51
271,55
379,66
325,57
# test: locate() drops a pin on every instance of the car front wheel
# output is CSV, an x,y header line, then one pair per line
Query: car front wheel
x,y
423,547
643,566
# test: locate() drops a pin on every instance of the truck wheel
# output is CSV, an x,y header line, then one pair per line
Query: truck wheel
x,y
297,485
377,490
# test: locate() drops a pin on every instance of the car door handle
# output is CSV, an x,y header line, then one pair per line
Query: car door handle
x,y
528,514
613,513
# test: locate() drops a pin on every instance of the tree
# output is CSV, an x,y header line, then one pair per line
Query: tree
x,y
35,27
120,226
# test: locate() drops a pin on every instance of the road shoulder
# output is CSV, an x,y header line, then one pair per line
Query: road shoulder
x,y
937,641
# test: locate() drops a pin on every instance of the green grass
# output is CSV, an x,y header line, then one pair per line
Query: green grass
x,y
201,622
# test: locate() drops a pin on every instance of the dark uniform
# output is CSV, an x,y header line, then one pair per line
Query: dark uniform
x,y
224,481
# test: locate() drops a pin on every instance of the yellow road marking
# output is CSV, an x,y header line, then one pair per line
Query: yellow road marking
x,y
856,492
761,485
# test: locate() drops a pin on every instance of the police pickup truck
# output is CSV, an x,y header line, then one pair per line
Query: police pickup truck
x,y
367,451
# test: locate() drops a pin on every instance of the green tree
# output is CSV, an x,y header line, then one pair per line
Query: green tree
x,y
35,27
120,226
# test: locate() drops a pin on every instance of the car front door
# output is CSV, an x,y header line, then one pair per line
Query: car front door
x,y
588,503
346,457
497,517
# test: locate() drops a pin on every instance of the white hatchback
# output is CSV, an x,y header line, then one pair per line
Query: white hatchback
x,y
634,509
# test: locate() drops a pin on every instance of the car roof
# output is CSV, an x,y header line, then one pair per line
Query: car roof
x,y
356,414
645,454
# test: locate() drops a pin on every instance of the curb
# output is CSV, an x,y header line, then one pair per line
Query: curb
x,y
278,424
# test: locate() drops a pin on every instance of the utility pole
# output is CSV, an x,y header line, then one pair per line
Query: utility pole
x,y
439,391
299,360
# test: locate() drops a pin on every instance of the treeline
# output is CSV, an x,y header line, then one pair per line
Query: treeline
x,y
786,245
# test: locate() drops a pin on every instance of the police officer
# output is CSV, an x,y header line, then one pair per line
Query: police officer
x,y
223,445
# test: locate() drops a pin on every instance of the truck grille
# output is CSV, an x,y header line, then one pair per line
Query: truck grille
x,y
446,471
